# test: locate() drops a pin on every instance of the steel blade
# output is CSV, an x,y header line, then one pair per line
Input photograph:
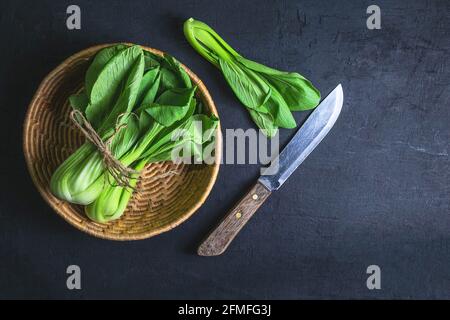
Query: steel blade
x,y
315,128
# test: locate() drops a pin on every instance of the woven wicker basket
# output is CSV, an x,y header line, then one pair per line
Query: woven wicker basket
x,y
168,193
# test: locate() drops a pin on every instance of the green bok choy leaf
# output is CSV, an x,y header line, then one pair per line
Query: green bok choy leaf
x,y
268,94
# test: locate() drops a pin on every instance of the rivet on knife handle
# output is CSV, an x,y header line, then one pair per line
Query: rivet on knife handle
x,y
217,242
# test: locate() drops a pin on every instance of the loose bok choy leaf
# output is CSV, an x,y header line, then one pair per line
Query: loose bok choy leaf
x,y
268,94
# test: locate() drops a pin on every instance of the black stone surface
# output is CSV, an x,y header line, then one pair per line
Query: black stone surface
x,y
376,191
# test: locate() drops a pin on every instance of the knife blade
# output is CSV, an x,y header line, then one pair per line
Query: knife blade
x,y
315,128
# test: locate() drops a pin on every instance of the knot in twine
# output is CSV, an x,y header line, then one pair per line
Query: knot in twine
x,y
120,173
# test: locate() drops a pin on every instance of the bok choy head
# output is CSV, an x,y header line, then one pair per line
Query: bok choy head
x,y
269,95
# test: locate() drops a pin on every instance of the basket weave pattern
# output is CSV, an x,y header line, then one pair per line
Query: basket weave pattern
x,y
167,193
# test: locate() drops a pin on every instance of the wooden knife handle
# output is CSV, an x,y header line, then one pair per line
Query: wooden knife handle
x,y
219,239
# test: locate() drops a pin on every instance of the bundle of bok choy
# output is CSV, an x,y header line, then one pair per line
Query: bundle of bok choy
x,y
137,108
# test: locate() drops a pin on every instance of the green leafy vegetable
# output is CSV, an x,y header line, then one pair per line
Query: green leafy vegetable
x,y
137,103
106,87
150,80
99,62
250,89
79,101
172,105
112,201
269,94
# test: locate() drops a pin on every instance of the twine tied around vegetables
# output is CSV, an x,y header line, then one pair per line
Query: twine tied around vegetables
x,y
120,173
123,82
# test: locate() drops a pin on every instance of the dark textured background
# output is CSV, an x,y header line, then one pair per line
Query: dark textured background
x,y
376,191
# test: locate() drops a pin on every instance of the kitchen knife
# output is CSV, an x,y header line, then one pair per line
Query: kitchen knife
x,y
301,145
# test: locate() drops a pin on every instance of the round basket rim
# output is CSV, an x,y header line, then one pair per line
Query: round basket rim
x,y
123,236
